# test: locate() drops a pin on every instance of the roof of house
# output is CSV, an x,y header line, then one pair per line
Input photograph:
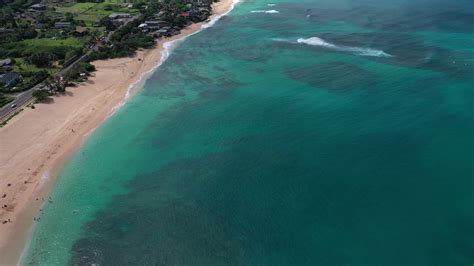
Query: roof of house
x,y
80,29
4,30
39,25
8,78
5,62
118,15
39,6
62,24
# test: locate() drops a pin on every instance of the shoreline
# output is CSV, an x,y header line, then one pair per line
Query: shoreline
x,y
36,143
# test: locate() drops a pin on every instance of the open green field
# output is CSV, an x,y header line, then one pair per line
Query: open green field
x,y
21,66
90,12
27,47
46,42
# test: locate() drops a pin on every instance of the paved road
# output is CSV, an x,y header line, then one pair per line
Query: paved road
x,y
26,97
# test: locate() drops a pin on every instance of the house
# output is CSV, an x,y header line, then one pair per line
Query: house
x,y
38,7
185,14
5,30
201,14
119,15
39,25
62,25
5,62
80,31
165,31
155,24
9,78
160,14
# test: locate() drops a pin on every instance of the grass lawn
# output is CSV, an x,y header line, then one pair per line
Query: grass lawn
x,y
47,42
27,47
80,8
90,12
22,66
98,10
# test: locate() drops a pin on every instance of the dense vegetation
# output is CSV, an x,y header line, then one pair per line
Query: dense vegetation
x,y
127,39
39,40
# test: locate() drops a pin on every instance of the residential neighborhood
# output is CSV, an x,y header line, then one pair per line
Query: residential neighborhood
x,y
39,38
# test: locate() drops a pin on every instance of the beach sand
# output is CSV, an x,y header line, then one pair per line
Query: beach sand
x,y
35,144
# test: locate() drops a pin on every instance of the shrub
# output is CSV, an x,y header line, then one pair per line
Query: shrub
x,y
87,66
28,33
41,59
41,95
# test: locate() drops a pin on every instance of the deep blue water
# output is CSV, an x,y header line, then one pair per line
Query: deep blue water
x,y
326,133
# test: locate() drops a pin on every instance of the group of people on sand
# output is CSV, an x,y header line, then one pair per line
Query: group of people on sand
x,y
37,219
6,206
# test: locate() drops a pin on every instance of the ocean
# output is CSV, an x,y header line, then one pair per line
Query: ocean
x,y
323,132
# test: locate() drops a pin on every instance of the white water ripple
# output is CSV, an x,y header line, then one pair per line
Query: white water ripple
x,y
316,41
273,11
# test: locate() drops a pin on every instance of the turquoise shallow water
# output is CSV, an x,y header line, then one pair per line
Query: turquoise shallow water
x,y
329,133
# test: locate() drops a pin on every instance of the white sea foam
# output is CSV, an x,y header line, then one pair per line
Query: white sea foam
x,y
367,52
280,40
168,48
45,177
216,18
273,11
316,41
271,4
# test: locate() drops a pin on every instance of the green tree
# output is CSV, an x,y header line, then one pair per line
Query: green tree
x,y
69,17
28,33
41,59
41,95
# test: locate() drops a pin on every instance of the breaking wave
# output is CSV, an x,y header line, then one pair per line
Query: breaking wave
x,y
215,19
315,41
168,48
266,11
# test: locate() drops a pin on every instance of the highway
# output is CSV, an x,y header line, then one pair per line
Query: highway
x,y
27,96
